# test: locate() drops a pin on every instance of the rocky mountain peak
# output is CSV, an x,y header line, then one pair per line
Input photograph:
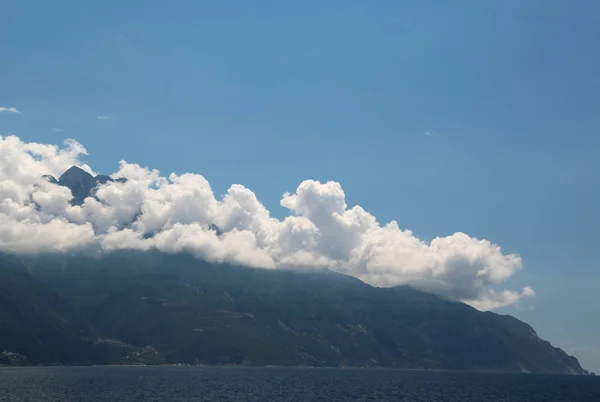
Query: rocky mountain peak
x,y
74,173
81,183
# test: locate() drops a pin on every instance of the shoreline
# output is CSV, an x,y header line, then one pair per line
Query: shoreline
x,y
349,368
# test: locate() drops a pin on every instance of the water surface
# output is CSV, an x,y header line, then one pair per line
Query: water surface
x,y
112,384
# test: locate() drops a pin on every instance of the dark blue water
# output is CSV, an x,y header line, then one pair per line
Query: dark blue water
x,y
285,384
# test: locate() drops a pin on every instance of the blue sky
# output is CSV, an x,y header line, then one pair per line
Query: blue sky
x,y
481,117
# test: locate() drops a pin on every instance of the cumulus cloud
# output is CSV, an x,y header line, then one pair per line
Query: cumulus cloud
x,y
4,109
178,213
492,299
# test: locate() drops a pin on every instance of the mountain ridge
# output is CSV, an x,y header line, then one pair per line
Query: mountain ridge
x,y
151,308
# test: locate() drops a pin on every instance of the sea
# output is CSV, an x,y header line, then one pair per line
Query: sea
x,y
146,383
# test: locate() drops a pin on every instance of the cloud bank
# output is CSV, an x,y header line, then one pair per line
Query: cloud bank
x,y
178,213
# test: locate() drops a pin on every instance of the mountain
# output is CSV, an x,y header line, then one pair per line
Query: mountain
x,y
151,307
81,183
37,326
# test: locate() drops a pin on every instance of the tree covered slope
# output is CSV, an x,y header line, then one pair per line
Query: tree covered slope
x,y
150,307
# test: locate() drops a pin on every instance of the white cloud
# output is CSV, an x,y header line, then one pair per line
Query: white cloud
x,y
4,109
104,117
175,213
492,299
58,130
428,134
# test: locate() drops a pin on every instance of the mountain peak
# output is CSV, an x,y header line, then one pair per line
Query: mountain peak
x,y
74,172
79,182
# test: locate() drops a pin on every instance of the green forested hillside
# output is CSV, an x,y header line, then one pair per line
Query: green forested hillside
x,y
149,307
